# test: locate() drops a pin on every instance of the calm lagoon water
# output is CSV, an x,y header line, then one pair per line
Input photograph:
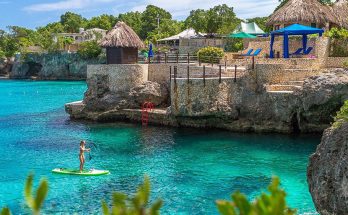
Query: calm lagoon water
x,y
189,168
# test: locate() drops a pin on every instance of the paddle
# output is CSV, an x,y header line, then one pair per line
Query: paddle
x,y
89,154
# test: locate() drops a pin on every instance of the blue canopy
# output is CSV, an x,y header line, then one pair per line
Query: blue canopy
x,y
295,29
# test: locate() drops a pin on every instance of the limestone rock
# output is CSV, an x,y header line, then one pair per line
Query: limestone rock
x,y
151,92
327,173
320,98
52,66
100,98
5,66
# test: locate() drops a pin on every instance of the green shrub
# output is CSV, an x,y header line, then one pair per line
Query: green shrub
x,y
89,49
337,33
345,64
342,115
122,204
234,45
339,42
267,204
273,203
210,54
35,202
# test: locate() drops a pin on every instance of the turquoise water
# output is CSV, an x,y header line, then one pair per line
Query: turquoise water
x,y
189,169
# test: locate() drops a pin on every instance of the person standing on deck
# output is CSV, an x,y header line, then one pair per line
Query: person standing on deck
x,y
82,156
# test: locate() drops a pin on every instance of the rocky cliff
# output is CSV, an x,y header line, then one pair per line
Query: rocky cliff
x,y
244,105
6,66
52,66
327,172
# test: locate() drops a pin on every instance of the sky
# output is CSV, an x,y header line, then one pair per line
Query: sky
x,y
35,13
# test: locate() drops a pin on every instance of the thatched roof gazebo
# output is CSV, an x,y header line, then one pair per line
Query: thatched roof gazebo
x,y
122,45
307,12
340,9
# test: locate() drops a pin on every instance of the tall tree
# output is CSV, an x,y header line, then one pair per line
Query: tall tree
x,y
72,22
149,19
196,20
8,44
219,19
104,21
133,19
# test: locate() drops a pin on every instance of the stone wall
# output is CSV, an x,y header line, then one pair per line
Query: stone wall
x,y
120,77
336,62
294,63
160,73
194,98
54,66
278,73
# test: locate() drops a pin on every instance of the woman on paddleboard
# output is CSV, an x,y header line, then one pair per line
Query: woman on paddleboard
x,y
82,156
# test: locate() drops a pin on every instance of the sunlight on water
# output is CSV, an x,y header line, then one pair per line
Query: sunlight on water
x,y
189,169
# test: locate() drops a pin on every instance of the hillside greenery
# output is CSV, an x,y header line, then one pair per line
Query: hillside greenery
x,y
220,19
272,202
342,115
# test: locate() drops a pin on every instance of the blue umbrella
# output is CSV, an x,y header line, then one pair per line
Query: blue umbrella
x,y
150,51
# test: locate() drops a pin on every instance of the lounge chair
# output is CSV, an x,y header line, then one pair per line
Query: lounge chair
x,y
248,53
257,52
298,52
306,52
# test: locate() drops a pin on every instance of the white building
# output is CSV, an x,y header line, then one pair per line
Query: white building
x,y
83,35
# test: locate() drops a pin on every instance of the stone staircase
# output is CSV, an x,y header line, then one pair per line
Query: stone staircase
x,y
287,87
295,79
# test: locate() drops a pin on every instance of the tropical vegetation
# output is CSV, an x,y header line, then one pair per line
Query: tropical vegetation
x,y
152,24
339,45
210,54
342,115
271,203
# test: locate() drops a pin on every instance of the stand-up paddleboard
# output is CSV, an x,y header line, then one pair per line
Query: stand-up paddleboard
x,y
92,172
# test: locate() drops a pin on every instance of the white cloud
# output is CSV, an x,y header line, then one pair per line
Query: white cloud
x,y
243,8
64,5
180,9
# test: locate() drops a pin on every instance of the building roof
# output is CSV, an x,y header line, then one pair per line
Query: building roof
x,y
188,33
122,36
249,28
340,9
295,11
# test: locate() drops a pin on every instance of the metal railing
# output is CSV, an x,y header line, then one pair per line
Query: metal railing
x,y
173,73
187,59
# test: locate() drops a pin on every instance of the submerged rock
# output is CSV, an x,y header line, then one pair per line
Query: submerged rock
x,y
327,172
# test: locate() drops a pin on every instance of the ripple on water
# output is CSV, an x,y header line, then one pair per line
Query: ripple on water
x,y
189,168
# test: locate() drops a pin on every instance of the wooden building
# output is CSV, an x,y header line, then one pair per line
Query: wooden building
x,y
122,45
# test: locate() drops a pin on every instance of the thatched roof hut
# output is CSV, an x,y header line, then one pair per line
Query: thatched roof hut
x,y
308,12
122,45
121,36
340,9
